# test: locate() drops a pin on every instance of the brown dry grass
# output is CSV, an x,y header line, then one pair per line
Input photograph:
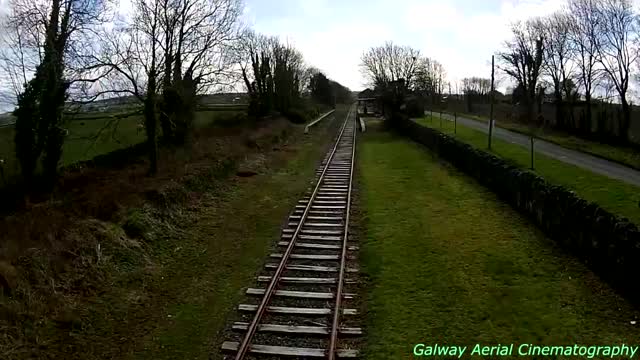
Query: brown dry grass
x,y
59,254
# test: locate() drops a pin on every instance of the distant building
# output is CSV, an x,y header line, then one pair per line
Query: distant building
x,y
367,101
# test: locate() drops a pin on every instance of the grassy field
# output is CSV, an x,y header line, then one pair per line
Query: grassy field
x,y
448,263
614,195
174,265
621,154
221,255
89,137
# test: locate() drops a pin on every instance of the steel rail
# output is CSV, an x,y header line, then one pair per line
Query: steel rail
x,y
336,311
243,349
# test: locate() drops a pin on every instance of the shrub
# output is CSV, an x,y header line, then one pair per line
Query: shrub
x,y
138,223
414,107
296,115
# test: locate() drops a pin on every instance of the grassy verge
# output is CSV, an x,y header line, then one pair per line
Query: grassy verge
x,y
616,196
223,255
155,274
449,263
89,138
202,271
620,154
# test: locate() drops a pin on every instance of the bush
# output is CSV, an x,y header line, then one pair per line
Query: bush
x,y
414,107
296,115
138,223
608,244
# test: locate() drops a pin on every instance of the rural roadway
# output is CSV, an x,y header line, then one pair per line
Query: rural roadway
x,y
583,160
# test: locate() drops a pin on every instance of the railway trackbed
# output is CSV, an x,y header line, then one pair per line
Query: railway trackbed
x,y
302,306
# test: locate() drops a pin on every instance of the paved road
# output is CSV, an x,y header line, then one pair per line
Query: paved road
x,y
586,161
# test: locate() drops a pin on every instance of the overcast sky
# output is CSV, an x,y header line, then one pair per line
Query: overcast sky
x,y
333,34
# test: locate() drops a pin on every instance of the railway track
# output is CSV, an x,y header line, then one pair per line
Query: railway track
x,y
302,307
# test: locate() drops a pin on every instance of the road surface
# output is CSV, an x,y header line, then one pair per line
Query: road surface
x,y
577,158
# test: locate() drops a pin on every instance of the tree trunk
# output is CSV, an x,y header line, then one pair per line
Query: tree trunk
x,y
150,125
560,121
166,106
529,103
186,108
588,120
626,120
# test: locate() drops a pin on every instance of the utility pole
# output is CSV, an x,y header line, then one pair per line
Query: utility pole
x,y
455,122
491,101
532,151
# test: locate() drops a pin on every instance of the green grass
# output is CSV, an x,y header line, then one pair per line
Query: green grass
x,y
91,137
616,196
222,254
448,263
621,154
174,267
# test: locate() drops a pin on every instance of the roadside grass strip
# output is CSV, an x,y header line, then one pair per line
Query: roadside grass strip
x,y
449,264
613,195
626,155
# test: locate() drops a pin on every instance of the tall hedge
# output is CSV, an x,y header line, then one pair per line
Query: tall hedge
x,y
608,244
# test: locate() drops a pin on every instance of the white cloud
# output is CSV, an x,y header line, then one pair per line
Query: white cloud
x,y
333,34
463,41
461,35
431,15
4,7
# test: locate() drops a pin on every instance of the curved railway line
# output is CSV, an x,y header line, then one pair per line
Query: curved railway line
x,y
303,309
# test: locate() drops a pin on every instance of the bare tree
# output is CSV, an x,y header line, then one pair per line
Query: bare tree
x,y
274,73
287,68
557,62
24,38
308,73
128,63
195,38
583,34
427,77
476,85
523,59
390,63
617,49
173,48
475,89
254,57
16,61
38,56
439,75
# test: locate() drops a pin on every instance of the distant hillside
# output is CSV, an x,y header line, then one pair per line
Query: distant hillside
x,y
125,101
224,98
130,103
6,119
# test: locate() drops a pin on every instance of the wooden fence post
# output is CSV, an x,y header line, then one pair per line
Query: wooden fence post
x,y
455,122
491,97
532,165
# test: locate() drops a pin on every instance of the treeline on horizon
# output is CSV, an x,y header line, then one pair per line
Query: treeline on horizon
x,y
162,56
580,61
